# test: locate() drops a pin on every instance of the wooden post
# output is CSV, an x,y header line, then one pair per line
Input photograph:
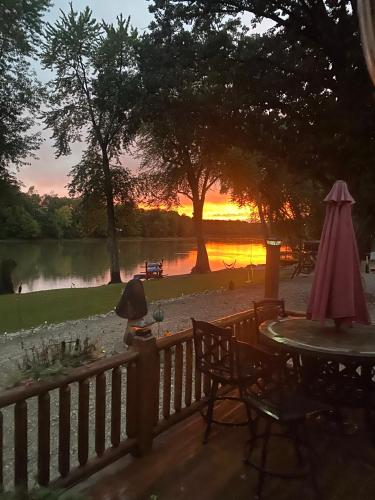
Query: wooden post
x,y
100,407
83,421
20,444
64,430
1,453
272,278
147,391
44,439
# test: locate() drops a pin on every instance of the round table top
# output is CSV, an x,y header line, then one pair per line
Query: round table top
x,y
303,335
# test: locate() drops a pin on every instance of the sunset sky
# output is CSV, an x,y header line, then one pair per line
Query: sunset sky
x,y
50,175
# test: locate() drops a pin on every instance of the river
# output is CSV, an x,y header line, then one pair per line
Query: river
x,y
51,264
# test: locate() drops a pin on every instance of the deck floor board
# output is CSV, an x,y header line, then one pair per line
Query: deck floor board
x,y
180,468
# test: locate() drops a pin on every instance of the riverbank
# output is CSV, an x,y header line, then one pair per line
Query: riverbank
x,y
26,311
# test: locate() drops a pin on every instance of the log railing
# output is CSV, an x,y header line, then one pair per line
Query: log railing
x,y
182,388
60,431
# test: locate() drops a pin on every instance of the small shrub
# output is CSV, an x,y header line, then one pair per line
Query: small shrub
x,y
51,359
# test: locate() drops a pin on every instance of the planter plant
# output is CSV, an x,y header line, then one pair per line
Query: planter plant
x,y
50,359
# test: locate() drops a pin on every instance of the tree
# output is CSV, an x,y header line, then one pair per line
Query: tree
x,y
16,220
283,203
20,93
93,95
306,90
88,183
184,85
19,223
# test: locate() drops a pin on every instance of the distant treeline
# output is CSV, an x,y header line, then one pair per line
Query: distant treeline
x,y
33,216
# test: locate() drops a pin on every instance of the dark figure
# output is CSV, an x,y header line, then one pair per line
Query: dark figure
x,y
6,268
20,288
132,306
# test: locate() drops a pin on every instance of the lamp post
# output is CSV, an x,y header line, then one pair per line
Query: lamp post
x,y
271,279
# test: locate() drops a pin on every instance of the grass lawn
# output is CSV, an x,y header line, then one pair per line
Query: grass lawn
x,y
55,306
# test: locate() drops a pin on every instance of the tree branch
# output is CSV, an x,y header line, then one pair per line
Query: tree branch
x,y
215,179
84,85
185,193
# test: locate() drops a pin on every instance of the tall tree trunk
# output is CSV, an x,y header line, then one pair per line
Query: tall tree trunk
x,y
202,264
263,222
111,225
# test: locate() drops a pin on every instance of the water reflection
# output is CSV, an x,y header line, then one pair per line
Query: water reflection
x,y
52,264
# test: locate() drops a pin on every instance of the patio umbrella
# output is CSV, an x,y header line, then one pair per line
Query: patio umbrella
x,y
337,291
366,14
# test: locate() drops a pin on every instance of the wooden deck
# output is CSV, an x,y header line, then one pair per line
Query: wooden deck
x,y
181,468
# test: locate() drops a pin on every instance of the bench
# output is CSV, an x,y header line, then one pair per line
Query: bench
x,y
153,270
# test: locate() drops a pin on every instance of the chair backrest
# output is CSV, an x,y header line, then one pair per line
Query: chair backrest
x,y
261,363
267,309
214,349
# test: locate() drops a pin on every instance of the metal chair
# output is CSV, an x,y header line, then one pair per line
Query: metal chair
x,y
218,357
287,406
268,309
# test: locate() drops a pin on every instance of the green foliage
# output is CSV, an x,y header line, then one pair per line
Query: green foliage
x,y
21,24
180,140
50,359
96,85
20,93
303,88
88,181
93,98
283,203
158,223
185,85
31,216
18,223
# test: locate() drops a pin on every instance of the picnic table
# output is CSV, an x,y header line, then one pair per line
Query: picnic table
x,y
336,366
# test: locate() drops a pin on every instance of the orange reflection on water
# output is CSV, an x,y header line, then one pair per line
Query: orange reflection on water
x,y
242,252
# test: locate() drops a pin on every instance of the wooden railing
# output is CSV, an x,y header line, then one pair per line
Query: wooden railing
x,y
183,389
63,430
59,432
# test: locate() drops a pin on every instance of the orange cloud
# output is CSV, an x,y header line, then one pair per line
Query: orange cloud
x,y
218,207
219,210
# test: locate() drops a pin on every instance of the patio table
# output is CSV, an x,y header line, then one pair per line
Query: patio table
x,y
336,366
310,337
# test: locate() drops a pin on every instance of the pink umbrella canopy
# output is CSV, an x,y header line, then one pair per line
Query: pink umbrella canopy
x,y
337,291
